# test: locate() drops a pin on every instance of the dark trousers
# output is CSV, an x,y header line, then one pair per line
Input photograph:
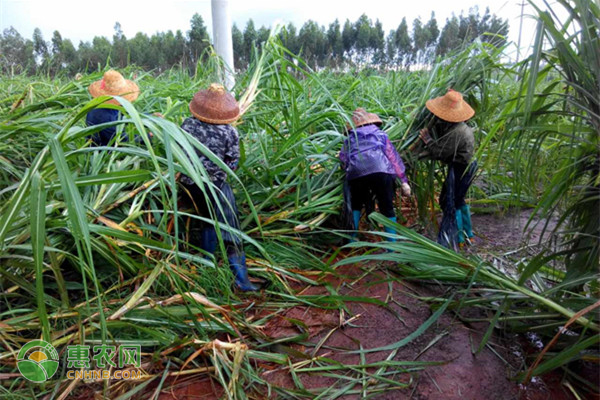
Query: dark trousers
x,y
380,186
456,185
457,189
223,207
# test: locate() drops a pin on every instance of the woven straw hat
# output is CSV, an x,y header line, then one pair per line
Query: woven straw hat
x,y
450,107
113,84
361,117
215,105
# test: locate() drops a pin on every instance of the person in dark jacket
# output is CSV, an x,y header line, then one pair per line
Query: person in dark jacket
x,y
213,110
372,165
451,141
111,84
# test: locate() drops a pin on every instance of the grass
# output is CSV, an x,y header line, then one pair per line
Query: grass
x,y
94,247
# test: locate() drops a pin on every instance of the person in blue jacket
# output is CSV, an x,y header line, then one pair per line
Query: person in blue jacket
x,y
111,84
372,165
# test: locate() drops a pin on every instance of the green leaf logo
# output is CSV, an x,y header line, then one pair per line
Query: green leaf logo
x,y
40,365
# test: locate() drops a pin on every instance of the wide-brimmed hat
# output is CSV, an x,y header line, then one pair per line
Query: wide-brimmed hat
x,y
361,117
113,84
450,107
215,105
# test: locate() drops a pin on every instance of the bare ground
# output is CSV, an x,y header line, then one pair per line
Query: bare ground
x,y
461,373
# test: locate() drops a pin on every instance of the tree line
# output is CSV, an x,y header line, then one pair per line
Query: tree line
x,y
362,42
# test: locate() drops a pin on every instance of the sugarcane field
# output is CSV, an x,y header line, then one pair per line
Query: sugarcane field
x,y
343,201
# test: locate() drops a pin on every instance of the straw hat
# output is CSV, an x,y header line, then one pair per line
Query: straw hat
x,y
215,106
113,84
450,107
361,117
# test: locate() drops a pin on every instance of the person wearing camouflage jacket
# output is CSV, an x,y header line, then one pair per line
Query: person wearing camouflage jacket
x,y
221,140
213,110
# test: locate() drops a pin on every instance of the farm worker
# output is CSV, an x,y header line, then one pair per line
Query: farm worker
x,y
372,165
111,84
451,141
213,110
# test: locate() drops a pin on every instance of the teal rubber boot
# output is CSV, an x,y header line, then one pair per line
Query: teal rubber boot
x,y
466,220
459,226
356,218
391,230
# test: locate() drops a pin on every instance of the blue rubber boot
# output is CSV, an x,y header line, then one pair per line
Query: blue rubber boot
x,y
208,237
237,263
356,218
391,230
466,220
459,226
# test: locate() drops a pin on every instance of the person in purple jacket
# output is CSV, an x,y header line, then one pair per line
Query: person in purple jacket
x,y
372,165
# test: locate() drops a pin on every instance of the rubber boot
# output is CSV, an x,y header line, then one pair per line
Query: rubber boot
x,y
237,263
391,230
356,218
208,240
466,220
459,226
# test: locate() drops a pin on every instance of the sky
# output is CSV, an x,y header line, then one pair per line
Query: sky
x,y
78,20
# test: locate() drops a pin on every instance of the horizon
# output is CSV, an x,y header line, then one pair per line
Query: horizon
x,y
26,15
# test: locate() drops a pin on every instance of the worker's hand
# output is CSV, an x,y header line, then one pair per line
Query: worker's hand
x,y
157,114
405,189
424,135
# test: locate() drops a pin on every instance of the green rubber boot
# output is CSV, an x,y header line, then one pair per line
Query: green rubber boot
x,y
356,219
391,230
465,212
459,226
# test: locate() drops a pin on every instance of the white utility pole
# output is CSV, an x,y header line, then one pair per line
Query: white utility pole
x,y
221,22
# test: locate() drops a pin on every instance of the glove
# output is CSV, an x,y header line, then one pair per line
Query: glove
x,y
405,189
424,136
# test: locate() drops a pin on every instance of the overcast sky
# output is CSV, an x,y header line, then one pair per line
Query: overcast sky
x,y
79,20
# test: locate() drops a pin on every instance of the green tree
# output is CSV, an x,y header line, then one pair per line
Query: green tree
x,y
449,37
377,43
157,57
363,29
120,52
56,62
403,45
390,47
262,36
250,37
237,37
69,56
16,53
173,48
420,40
198,39
40,48
312,40
335,43
101,51
348,39
492,29
289,38
433,32
139,48
181,49
64,55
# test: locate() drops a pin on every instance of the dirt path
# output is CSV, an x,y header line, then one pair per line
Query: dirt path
x,y
459,373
